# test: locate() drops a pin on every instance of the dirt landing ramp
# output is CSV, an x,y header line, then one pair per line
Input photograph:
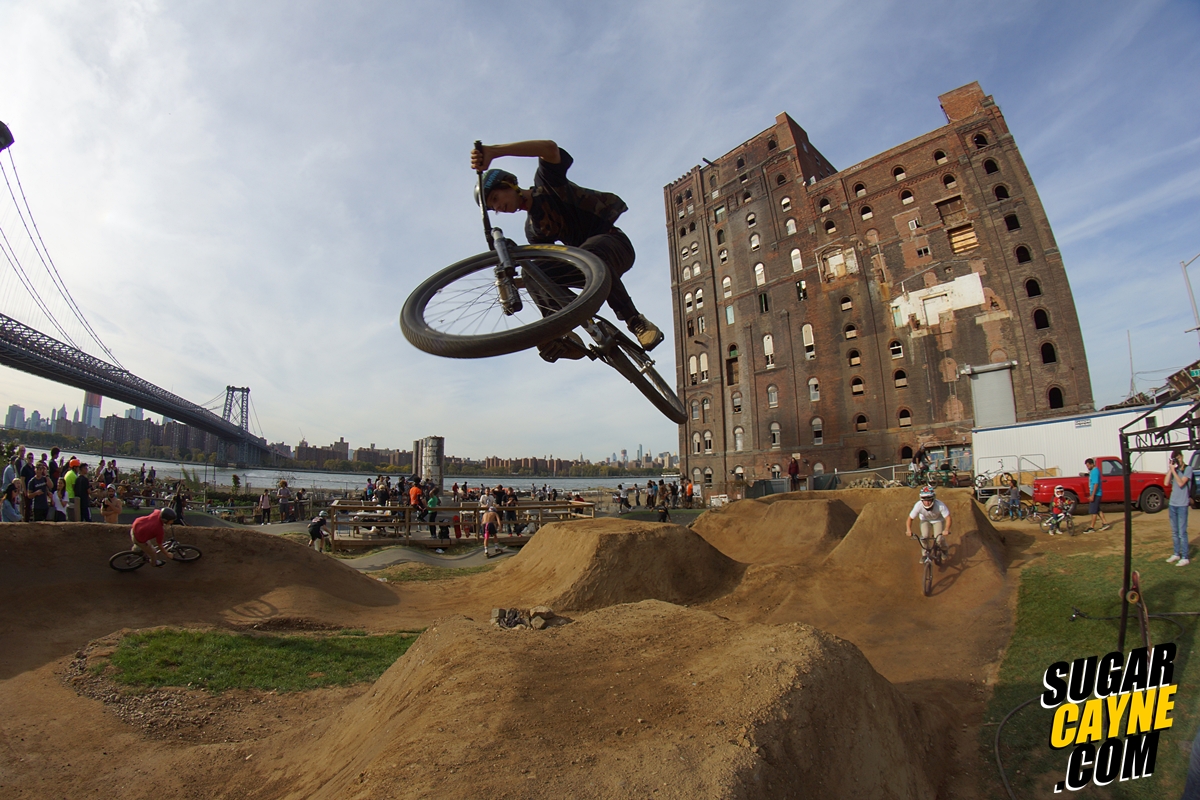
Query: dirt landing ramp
x,y
636,700
58,591
580,566
786,531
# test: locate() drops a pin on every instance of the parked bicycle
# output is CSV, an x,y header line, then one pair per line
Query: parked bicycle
x,y
513,298
1006,510
985,479
129,560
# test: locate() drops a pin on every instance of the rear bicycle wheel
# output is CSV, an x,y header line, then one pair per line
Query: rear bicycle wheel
x,y
185,552
927,584
632,362
996,513
457,313
126,561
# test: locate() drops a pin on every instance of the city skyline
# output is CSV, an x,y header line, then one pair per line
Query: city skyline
x,y
263,258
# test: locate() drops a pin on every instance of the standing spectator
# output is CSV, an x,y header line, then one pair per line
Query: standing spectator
x,y
431,506
83,488
637,495
264,504
794,475
622,499
10,471
179,502
38,490
70,476
54,470
284,496
60,501
10,510
1094,490
111,506
687,495
150,475
142,474
110,473
28,473
1179,478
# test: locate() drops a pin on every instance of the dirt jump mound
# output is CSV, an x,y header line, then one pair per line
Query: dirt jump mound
x,y
640,700
785,531
585,565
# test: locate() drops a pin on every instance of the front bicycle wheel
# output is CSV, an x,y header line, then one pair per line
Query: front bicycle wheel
x,y
126,561
996,513
185,552
927,584
638,368
457,313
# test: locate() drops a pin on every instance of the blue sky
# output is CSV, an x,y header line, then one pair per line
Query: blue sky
x,y
245,193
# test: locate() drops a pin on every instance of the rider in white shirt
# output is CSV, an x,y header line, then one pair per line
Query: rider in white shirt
x,y
934,516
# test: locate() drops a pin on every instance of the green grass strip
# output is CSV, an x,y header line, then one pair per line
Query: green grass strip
x,y
1045,634
429,572
218,661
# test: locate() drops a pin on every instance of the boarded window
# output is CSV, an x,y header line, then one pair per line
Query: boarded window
x,y
735,401
900,378
853,358
963,239
814,389
860,423
857,386
952,211
905,418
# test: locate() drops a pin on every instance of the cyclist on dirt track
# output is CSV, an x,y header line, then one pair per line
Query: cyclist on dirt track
x,y
147,534
934,516
560,211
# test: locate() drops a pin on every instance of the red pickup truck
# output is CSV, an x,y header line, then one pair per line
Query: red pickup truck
x,y
1149,495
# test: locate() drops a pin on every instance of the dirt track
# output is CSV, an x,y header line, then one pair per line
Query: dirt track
x,y
703,635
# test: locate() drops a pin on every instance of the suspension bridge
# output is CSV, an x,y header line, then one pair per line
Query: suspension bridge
x,y
65,361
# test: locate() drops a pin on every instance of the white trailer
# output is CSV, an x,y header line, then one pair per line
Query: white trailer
x,y
1064,443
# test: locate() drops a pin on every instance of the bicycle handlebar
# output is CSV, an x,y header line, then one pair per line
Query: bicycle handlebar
x,y
487,223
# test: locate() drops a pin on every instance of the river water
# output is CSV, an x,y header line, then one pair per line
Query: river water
x,y
260,478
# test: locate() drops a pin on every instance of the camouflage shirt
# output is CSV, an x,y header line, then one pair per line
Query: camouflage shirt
x,y
560,211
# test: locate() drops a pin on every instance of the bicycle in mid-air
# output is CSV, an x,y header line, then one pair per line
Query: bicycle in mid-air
x,y
514,297
932,553
129,560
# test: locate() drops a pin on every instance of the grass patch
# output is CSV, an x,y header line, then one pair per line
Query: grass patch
x,y
218,661
1045,634
403,573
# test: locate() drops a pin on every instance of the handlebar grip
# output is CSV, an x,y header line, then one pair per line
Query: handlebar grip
x,y
479,149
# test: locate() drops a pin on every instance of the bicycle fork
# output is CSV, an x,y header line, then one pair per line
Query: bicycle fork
x,y
506,276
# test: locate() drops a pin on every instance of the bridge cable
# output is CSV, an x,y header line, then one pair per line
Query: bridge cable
x,y
48,262
23,277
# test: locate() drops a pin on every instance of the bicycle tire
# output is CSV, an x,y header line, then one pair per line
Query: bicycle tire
x,y
927,585
637,368
995,513
126,561
456,326
186,552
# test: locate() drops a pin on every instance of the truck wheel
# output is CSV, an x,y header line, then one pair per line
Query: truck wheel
x,y
1152,500
1072,501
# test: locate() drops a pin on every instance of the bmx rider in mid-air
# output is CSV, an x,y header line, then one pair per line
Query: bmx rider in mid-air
x,y
560,211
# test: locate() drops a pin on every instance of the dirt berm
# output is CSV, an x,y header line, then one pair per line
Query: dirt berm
x,y
791,531
640,700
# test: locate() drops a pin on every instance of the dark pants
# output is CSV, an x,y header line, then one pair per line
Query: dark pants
x,y
616,251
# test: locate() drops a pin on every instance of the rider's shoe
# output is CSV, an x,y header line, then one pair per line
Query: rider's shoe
x,y
647,333
569,346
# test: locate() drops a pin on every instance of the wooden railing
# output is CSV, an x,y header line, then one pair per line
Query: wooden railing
x,y
358,520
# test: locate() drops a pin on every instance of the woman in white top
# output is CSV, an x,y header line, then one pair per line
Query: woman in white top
x,y
934,516
59,498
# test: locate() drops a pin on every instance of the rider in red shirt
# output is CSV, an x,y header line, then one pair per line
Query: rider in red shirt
x,y
148,532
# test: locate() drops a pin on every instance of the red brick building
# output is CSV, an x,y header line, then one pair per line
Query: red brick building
x,y
849,317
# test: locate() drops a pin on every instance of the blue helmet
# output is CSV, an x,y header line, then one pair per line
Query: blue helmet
x,y
494,179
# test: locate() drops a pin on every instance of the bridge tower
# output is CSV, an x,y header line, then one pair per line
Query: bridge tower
x,y
237,412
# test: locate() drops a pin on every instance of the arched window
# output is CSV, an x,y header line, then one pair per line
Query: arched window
x,y
824,205
906,453
683,250
729,315
1033,288
949,182
1055,397
772,396
776,472
693,370
741,162
830,227
1012,223
755,241
899,174
706,404
696,443
687,303
780,179
790,226
980,140
939,157
797,262
739,473
847,304
704,367
906,197
692,227
696,475
695,409
818,430
708,473
739,439
776,435
760,274
990,167
853,358
771,145
818,468
751,220
1048,354
695,268
851,332
726,286
682,232
814,389
1001,192
735,401
687,273
769,350
1023,256
856,385
900,378
896,349
860,423
708,441
695,248
866,213
864,459
723,256
721,237
1041,320
905,418
786,204
859,190
699,298
806,335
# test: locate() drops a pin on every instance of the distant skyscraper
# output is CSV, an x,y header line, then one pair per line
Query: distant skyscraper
x,y
15,417
91,409
62,412
135,413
